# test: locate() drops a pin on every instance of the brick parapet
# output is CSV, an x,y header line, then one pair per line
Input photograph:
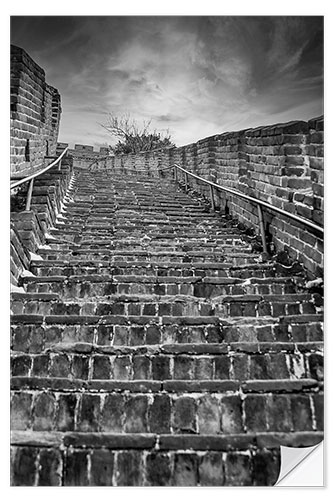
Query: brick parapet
x,y
35,114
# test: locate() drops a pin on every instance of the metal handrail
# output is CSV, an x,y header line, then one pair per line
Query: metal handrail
x,y
32,177
40,172
246,197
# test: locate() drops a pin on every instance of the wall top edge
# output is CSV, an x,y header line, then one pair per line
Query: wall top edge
x,y
291,127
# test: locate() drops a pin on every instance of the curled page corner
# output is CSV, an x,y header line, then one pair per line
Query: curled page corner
x,y
292,460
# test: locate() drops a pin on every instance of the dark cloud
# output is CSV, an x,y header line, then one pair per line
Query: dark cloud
x,y
196,75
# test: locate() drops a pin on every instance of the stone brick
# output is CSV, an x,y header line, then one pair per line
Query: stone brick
x,y
21,338
255,413
238,470
266,468
318,400
141,367
105,334
185,470
240,366
208,415
301,413
102,465
50,468
24,466
122,368
80,367
279,414
158,469
222,367
211,470
203,369
137,335
129,468
66,412
153,334
183,367
89,412
40,365
121,334
136,414
37,340
278,366
316,366
44,412
20,412
231,414
20,365
159,415
76,468
101,367
112,414
259,367
161,368
183,418
60,366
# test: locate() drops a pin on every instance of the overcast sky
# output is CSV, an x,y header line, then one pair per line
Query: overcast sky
x,y
196,76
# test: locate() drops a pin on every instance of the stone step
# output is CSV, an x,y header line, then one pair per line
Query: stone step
x,y
138,243
149,459
233,259
132,459
105,285
141,246
168,407
31,333
153,268
118,236
163,305
242,361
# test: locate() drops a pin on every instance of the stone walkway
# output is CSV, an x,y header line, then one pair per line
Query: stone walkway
x,y
152,346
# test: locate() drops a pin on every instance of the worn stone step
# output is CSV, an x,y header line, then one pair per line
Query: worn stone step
x,y
31,333
118,464
152,268
105,285
163,305
169,407
155,245
149,459
233,259
234,361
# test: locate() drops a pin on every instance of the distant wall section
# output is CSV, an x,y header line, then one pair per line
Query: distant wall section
x,y
281,164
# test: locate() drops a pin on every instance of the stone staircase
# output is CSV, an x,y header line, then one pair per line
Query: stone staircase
x,y
153,346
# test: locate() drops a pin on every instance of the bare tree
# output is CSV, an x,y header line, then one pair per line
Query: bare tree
x,y
133,137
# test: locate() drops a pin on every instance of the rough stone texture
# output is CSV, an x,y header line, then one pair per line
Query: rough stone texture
x,y
153,347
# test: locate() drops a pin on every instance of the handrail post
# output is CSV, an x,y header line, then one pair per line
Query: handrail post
x,y
186,182
262,229
29,196
59,167
212,201
176,174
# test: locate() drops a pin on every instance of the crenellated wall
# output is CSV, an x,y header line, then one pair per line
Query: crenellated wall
x,y
281,164
34,115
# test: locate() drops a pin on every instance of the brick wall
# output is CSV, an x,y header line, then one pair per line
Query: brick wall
x,y
35,114
28,228
281,164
